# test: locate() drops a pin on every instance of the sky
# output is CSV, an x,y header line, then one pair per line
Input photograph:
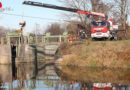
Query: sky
x,y
46,16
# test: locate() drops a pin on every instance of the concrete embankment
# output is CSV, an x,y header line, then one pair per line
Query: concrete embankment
x,y
26,53
5,54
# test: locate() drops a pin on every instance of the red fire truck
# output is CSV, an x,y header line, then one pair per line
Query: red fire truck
x,y
100,28
104,29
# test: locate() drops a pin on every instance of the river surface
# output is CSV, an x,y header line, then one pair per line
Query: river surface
x,y
51,77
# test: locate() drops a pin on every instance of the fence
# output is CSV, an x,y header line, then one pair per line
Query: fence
x,y
55,38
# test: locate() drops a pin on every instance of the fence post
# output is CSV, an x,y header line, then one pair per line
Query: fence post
x,y
2,40
65,34
44,39
60,38
8,40
19,40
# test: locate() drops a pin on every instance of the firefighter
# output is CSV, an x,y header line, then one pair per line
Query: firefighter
x,y
82,35
70,38
22,24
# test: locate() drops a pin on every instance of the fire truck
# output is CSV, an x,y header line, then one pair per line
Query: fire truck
x,y
104,29
101,28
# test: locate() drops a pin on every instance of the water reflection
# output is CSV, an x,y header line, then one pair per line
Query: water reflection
x,y
95,78
47,76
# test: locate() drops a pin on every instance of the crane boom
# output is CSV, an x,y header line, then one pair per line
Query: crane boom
x,y
62,8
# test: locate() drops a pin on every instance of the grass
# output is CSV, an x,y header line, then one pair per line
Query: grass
x,y
97,54
128,37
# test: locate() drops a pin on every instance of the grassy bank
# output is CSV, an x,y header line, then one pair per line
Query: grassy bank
x,y
97,54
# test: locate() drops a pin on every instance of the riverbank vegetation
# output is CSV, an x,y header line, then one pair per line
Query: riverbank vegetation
x,y
113,54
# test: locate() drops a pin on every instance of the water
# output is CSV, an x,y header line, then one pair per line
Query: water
x,y
50,77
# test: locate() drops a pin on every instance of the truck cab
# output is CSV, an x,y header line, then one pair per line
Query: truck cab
x,y
100,29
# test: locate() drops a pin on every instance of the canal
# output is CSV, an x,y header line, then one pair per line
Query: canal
x,y
48,76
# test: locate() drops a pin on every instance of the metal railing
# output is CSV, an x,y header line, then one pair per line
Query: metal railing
x,y
17,38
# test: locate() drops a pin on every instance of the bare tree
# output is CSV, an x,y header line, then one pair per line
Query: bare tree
x,y
72,27
95,5
3,30
87,5
120,12
124,10
54,29
77,4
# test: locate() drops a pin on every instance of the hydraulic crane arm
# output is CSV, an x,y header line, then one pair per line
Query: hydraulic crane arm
x,y
63,8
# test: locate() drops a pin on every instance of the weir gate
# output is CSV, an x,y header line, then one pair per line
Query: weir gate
x,y
28,48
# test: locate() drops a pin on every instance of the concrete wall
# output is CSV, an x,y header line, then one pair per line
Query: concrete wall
x,y
5,54
25,53
40,53
50,49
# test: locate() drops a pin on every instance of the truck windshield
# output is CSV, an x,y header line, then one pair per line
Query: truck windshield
x,y
99,24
